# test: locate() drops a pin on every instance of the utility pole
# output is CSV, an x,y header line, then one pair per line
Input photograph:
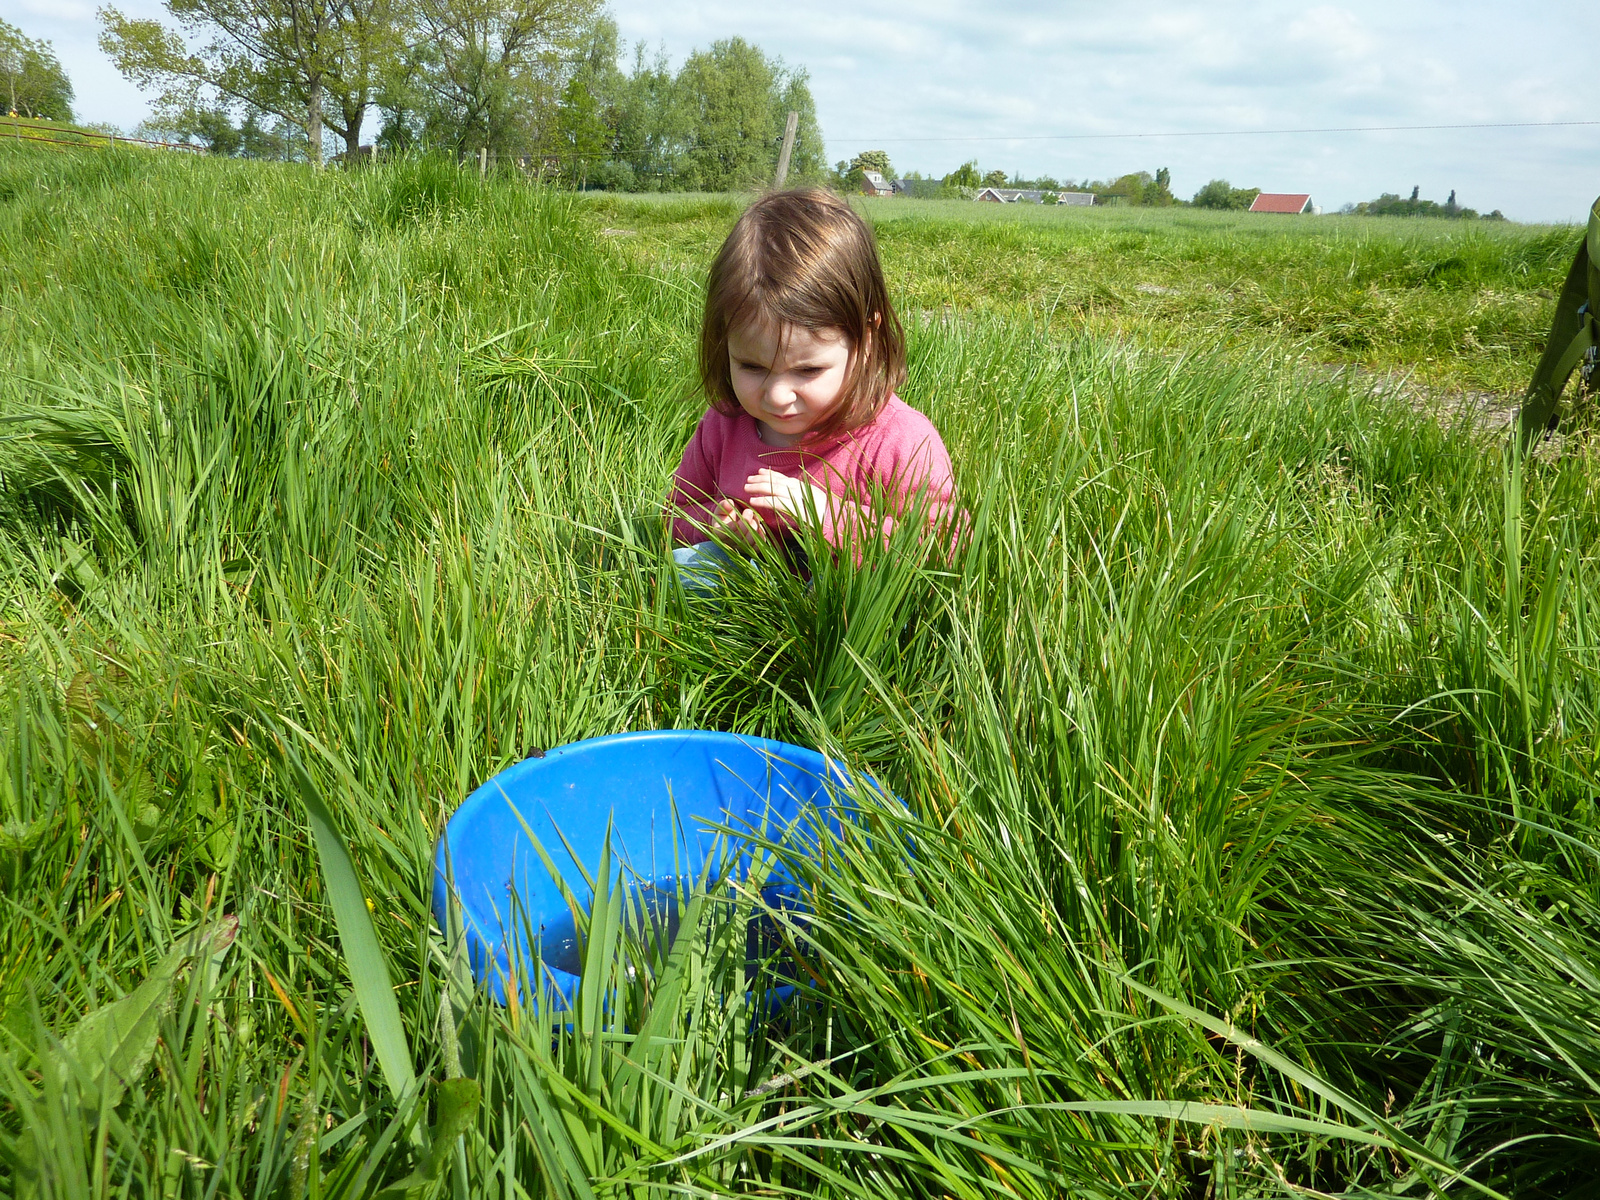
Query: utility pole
x,y
788,149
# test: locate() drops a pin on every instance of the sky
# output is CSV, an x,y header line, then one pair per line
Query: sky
x,y
1018,84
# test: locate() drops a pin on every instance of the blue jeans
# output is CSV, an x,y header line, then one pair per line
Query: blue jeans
x,y
702,567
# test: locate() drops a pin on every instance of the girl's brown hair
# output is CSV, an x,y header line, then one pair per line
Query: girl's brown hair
x,y
805,258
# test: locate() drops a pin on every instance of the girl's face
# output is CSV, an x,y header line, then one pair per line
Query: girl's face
x,y
787,377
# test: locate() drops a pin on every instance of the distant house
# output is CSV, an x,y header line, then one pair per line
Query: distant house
x,y
993,195
876,184
1283,202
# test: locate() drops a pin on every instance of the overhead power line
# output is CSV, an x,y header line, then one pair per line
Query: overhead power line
x,y
1189,133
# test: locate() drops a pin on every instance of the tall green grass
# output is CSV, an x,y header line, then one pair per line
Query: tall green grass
x,y
1248,748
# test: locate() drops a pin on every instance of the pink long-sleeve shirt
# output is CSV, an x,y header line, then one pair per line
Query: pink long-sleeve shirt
x,y
897,455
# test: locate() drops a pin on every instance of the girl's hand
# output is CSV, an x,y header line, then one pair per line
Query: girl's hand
x,y
737,524
774,492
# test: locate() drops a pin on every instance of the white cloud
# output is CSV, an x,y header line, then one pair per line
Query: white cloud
x,y
1337,30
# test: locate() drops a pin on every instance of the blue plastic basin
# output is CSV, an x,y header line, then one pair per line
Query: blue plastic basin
x,y
660,792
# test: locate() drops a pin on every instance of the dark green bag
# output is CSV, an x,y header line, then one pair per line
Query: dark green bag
x,y
1574,336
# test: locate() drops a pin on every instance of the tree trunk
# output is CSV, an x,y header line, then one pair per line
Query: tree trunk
x,y
352,134
314,123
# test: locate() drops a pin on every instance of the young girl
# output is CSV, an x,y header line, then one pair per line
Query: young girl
x,y
800,356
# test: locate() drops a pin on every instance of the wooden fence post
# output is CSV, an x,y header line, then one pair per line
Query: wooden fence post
x,y
788,149
483,162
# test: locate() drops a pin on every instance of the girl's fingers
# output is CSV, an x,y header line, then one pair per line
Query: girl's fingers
x,y
769,482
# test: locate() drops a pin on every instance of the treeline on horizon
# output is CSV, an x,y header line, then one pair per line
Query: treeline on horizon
x,y
1138,189
714,124
541,83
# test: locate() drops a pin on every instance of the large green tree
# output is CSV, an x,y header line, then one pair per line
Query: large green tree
x,y
734,101
491,72
586,123
732,139
315,63
651,129
34,83
808,163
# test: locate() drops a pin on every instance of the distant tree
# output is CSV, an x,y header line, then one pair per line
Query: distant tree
x,y
918,186
1391,205
964,176
1415,192
1220,194
995,179
614,176
873,160
848,179
1158,192
34,82
1129,189
214,129
209,128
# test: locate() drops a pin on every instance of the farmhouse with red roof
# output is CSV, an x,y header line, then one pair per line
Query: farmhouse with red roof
x,y
1283,202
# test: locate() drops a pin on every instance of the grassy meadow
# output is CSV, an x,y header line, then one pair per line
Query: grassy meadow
x,y
1456,305
1248,749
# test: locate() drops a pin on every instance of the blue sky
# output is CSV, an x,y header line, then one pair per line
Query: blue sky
x,y
916,78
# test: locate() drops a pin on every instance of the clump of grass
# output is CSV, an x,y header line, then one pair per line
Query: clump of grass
x,y
1247,748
